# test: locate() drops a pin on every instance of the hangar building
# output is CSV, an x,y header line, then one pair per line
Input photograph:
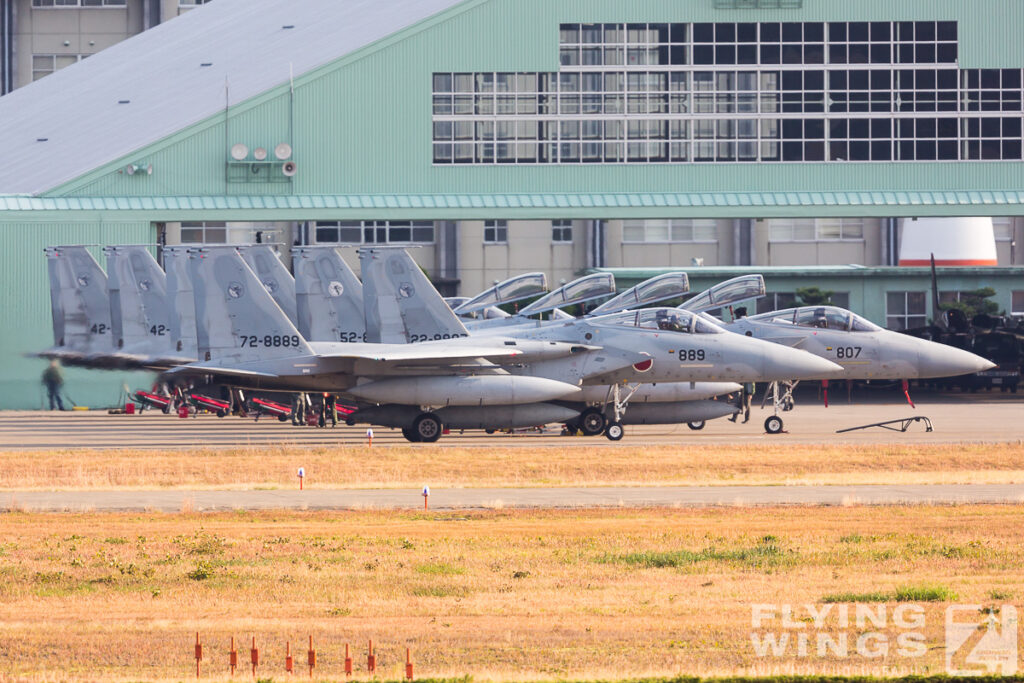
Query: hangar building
x,y
507,135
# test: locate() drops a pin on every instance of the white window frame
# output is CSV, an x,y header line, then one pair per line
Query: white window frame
x,y
495,232
88,4
813,230
38,73
670,231
559,230
1017,297
1002,229
378,228
905,317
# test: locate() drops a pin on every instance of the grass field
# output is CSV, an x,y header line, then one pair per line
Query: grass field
x,y
574,464
513,595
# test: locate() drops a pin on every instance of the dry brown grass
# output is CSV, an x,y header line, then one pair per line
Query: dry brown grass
x,y
498,594
570,465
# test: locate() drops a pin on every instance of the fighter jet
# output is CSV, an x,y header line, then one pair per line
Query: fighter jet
x,y
79,306
245,339
328,296
676,346
863,349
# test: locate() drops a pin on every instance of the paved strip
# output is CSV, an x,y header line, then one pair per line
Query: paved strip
x,y
493,498
960,418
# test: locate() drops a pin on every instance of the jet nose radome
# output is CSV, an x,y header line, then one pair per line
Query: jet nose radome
x,y
785,363
941,360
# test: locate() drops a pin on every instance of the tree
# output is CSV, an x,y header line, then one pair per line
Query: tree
x,y
974,302
813,296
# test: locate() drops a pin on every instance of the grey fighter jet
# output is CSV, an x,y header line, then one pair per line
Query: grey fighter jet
x,y
245,339
674,345
864,350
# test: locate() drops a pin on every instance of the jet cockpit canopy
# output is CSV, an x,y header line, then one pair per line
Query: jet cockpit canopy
x,y
821,317
663,319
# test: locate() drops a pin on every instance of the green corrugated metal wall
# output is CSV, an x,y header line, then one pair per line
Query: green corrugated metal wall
x,y
25,324
363,124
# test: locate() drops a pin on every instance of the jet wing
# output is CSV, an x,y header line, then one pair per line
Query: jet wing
x,y
200,369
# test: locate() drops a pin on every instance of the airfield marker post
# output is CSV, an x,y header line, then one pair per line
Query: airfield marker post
x,y
408,664
369,436
233,657
254,656
371,660
289,662
302,476
199,654
348,662
311,657
426,496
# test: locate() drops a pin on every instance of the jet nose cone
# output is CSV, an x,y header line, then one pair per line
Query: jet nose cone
x,y
784,363
940,360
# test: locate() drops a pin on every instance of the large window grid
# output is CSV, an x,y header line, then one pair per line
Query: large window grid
x,y
684,230
374,232
816,230
44,65
79,3
905,310
634,113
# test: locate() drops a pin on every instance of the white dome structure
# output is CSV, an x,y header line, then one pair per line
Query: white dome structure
x,y
953,241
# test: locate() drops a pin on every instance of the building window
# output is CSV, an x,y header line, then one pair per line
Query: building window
x,y
1003,229
561,232
495,232
1017,303
677,230
207,232
374,232
191,3
905,310
811,229
79,3
44,65
776,301
736,92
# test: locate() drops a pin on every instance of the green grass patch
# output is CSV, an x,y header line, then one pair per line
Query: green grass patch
x,y
440,591
439,569
765,555
910,593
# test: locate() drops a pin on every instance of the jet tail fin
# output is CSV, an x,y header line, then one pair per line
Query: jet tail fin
x,y
80,305
139,312
237,320
181,297
400,302
267,265
328,296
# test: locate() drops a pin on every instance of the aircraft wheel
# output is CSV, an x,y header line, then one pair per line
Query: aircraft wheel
x,y
166,409
427,428
592,422
282,418
614,432
222,413
696,425
409,434
773,425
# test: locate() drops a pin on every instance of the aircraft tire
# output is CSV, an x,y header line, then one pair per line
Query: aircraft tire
x,y
773,425
427,428
222,413
614,431
409,434
166,410
592,422
696,425
282,418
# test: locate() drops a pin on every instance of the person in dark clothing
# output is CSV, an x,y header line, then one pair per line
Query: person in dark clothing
x,y
53,380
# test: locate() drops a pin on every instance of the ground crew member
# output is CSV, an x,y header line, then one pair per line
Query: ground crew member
x,y
53,380
746,395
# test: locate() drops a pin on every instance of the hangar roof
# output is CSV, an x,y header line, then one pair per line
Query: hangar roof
x,y
169,77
